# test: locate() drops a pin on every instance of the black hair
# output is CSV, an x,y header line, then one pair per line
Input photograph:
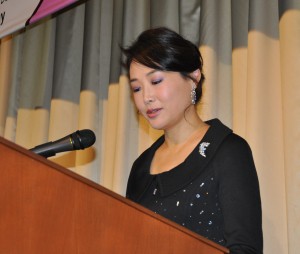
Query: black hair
x,y
165,50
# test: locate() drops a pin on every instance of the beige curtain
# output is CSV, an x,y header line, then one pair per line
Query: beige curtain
x,y
65,74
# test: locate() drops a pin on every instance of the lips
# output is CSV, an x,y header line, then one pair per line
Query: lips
x,y
151,113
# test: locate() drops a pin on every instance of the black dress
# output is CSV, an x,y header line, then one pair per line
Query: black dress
x,y
214,192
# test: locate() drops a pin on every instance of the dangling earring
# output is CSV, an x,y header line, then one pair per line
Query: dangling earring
x,y
193,94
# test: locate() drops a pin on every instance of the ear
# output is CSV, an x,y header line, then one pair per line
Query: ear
x,y
196,75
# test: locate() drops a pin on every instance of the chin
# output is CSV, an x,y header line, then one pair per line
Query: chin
x,y
156,126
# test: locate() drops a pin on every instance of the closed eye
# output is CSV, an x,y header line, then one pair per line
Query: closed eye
x,y
155,82
135,89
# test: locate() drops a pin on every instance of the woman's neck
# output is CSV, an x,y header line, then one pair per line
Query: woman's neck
x,y
185,134
177,146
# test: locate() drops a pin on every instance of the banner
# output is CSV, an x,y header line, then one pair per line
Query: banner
x,y
16,14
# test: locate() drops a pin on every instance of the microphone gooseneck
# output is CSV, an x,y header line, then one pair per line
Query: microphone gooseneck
x,y
78,140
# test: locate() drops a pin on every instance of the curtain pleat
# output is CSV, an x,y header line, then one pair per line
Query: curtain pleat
x,y
290,69
264,115
5,81
216,47
126,138
109,136
66,74
240,62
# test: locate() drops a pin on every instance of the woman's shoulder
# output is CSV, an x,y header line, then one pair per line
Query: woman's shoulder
x,y
235,145
228,139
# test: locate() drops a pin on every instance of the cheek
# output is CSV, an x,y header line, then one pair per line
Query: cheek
x,y
138,100
164,94
178,95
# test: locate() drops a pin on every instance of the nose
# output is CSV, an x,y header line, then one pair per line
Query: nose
x,y
148,101
148,95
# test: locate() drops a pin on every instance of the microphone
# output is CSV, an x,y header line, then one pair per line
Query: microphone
x,y
75,141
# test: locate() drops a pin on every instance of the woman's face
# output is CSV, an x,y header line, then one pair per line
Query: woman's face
x,y
162,97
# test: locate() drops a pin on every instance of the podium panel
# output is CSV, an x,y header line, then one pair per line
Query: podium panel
x,y
46,208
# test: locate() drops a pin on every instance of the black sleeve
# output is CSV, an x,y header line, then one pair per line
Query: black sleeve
x,y
239,197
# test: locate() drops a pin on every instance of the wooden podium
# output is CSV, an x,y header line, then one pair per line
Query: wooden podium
x,y
45,208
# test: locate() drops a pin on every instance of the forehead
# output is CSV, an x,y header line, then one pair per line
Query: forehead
x,y
138,68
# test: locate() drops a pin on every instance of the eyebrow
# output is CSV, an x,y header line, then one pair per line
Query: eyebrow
x,y
148,74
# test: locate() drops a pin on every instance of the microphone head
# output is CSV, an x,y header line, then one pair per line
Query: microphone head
x,y
83,139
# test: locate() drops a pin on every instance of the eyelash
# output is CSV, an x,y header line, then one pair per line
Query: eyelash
x,y
137,89
155,82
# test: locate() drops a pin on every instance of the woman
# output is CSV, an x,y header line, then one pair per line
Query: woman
x,y
198,174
